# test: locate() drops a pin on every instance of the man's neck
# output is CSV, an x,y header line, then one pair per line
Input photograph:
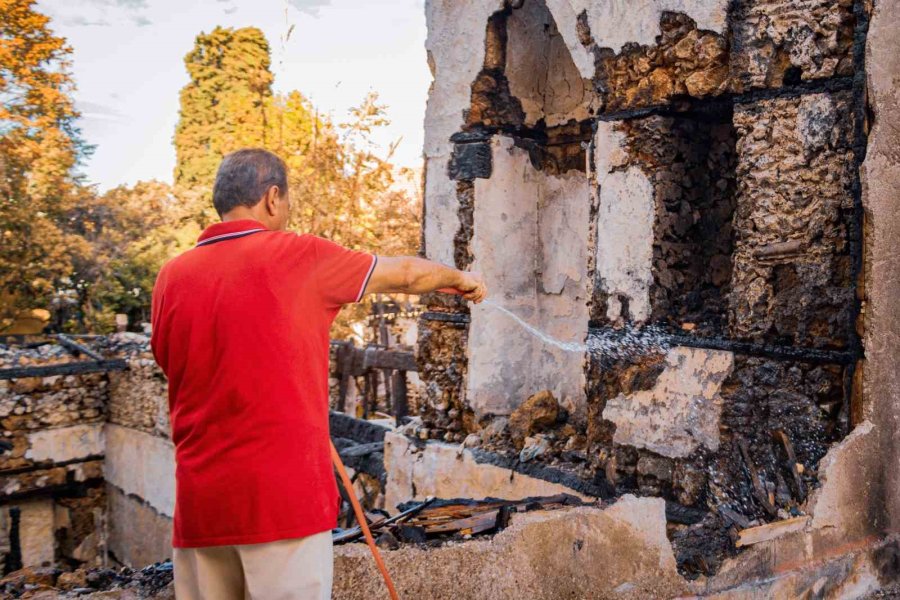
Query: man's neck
x,y
242,213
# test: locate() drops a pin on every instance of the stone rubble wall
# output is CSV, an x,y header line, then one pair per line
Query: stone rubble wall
x,y
140,462
54,472
91,462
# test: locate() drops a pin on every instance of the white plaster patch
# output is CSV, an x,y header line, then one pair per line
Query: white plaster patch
x,y
614,23
441,470
561,232
647,517
65,443
682,410
540,69
441,211
566,17
36,532
141,464
530,241
455,46
625,222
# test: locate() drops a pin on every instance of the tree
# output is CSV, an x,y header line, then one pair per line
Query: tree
x,y
223,107
39,150
132,232
340,188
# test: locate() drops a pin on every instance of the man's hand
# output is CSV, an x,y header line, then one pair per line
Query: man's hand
x,y
411,275
471,287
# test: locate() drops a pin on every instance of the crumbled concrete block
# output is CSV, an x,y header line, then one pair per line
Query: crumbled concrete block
x,y
681,412
442,470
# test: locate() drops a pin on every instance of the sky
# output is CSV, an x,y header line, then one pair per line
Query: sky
x,y
128,68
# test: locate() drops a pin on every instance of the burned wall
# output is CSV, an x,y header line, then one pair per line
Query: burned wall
x,y
881,311
524,204
51,487
91,469
139,470
713,235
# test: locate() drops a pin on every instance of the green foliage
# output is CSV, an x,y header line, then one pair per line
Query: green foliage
x,y
223,107
132,232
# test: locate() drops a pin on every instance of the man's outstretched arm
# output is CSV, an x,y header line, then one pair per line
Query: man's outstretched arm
x,y
411,275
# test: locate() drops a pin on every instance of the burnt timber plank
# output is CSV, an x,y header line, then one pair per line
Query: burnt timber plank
x,y
70,368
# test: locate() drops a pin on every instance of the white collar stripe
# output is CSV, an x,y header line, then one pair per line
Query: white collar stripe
x,y
225,236
365,282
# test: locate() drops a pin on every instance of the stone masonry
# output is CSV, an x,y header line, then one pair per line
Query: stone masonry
x,y
668,194
91,465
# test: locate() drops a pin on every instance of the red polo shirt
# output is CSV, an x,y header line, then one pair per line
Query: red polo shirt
x,y
240,327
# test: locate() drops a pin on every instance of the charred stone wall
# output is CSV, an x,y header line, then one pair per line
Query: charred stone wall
x,y
139,470
89,475
51,486
716,274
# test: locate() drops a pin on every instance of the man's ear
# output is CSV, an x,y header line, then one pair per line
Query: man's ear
x,y
271,200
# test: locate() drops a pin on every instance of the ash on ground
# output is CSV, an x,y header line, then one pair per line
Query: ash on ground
x,y
47,583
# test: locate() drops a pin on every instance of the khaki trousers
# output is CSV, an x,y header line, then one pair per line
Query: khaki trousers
x,y
296,569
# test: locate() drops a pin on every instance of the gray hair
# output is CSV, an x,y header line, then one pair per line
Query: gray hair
x,y
245,176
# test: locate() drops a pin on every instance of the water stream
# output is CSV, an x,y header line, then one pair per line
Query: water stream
x,y
614,344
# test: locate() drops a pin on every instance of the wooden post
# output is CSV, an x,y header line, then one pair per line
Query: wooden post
x,y
384,339
401,403
344,372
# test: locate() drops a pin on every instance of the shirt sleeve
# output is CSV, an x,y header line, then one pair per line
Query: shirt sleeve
x,y
156,332
342,274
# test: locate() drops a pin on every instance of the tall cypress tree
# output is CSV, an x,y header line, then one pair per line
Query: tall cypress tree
x,y
223,107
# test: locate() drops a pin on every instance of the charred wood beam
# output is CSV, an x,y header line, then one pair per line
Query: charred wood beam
x,y
344,369
683,515
401,396
374,358
758,490
69,489
44,465
72,368
792,462
470,160
77,348
598,487
355,533
705,107
446,317
361,450
734,517
775,352
13,560
358,430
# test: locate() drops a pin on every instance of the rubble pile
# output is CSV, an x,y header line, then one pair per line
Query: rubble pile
x,y
435,522
47,583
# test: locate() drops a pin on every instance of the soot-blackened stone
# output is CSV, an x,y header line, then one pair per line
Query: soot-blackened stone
x,y
470,161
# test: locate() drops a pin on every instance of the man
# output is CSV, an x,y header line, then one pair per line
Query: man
x,y
240,327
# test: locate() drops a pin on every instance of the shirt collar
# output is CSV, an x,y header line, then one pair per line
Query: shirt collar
x,y
228,230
